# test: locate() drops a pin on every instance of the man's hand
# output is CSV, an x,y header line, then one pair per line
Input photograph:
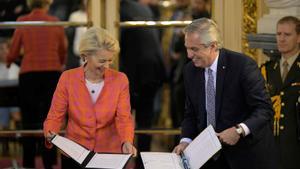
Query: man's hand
x,y
229,136
180,147
127,147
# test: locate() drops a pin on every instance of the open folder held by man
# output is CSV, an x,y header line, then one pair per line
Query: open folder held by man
x,y
200,150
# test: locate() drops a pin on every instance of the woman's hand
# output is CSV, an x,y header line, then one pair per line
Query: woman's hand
x,y
127,147
49,136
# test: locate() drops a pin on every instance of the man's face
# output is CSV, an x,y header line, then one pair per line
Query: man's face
x,y
287,39
202,56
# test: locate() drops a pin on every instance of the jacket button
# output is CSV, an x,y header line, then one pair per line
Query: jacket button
x,y
281,93
281,127
281,115
282,104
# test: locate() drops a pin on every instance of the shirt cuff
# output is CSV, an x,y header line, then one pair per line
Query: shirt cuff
x,y
187,140
245,128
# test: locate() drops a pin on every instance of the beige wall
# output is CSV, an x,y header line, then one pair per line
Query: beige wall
x,y
105,14
228,15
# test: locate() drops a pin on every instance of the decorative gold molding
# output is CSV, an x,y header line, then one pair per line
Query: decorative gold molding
x,y
249,26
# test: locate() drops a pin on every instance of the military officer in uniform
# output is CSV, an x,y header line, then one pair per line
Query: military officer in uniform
x,y
283,82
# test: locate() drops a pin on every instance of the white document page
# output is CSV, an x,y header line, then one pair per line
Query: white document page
x,y
202,148
116,161
99,160
74,150
161,160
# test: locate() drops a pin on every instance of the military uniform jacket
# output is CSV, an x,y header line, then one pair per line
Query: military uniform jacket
x,y
288,136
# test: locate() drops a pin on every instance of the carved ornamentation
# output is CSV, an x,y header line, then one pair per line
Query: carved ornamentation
x,y
249,26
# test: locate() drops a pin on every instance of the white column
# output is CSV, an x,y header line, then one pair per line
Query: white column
x,y
228,15
105,14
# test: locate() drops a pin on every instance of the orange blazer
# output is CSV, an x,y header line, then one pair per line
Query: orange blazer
x,y
102,126
45,48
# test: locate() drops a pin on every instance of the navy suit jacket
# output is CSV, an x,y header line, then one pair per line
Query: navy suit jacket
x,y
240,97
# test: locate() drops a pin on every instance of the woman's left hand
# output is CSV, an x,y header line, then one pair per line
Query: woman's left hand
x,y
127,147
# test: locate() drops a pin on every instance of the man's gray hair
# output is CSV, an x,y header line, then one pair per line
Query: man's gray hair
x,y
207,30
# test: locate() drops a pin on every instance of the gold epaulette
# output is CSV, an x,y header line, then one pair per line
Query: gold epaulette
x,y
264,72
276,100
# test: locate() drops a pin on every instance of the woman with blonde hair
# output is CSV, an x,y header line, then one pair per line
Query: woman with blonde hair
x,y
96,100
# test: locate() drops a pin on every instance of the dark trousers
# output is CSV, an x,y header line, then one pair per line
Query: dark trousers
x,y
69,163
144,119
219,163
36,91
177,107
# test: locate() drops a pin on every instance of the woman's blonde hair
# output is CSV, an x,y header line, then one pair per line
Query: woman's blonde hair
x,y
95,39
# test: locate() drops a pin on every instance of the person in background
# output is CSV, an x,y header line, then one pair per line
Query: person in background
x,y
226,90
95,99
283,82
141,60
45,50
178,58
200,9
78,16
7,77
10,10
62,8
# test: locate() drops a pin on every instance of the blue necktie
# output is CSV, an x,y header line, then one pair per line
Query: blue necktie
x,y
210,100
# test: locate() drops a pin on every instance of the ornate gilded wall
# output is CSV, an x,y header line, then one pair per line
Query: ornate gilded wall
x,y
249,25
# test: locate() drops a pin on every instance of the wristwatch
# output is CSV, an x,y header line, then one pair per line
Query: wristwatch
x,y
239,130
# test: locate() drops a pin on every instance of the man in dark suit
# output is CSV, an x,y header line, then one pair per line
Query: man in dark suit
x,y
225,89
283,81
141,60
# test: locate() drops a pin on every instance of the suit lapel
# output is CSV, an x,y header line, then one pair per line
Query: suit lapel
x,y
221,70
202,92
198,84
85,92
274,81
107,84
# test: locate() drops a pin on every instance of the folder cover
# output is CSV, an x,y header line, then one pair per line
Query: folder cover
x,y
197,153
87,158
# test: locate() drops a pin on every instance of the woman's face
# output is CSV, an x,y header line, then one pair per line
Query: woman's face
x,y
96,63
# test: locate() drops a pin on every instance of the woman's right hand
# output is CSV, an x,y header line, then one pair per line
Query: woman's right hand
x,y
49,136
127,147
